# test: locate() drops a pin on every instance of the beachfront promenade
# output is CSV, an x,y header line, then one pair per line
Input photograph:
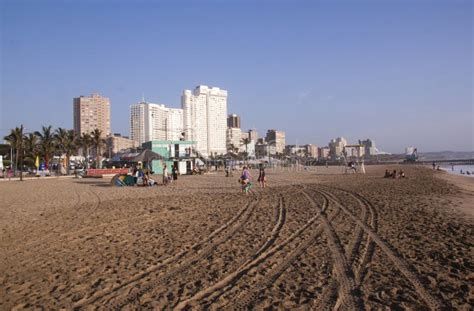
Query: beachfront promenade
x,y
313,239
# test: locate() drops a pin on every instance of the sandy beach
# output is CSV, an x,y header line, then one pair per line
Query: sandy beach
x,y
314,239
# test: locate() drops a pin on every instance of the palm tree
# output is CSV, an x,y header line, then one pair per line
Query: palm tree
x,y
97,142
46,143
66,141
246,141
85,142
31,148
233,148
15,140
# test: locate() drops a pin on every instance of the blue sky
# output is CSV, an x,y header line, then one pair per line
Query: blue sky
x,y
399,72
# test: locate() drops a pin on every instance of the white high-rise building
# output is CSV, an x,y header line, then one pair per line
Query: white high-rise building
x,y
155,122
174,124
137,122
205,118
150,121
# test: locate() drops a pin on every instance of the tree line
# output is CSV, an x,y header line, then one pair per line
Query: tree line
x,y
50,142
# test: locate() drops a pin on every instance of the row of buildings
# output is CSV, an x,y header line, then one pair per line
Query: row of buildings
x,y
203,122
201,119
337,148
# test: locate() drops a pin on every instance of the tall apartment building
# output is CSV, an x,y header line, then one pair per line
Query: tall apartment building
x,y
253,135
90,113
276,138
137,122
233,120
233,138
323,152
205,118
355,151
312,150
174,124
150,121
336,147
369,146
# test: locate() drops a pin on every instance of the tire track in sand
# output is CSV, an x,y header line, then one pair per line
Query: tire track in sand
x,y
404,268
168,261
247,297
136,292
224,284
369,246
329,297
347,288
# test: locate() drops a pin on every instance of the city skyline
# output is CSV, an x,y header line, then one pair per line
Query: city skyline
x,y
398,73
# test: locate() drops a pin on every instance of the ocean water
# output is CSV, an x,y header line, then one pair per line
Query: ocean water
x,y
458,168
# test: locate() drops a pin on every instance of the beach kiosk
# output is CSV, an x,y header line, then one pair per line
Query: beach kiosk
x,y
174,152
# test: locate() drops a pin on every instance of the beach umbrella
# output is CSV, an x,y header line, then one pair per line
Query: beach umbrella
x,y
146,156
37,162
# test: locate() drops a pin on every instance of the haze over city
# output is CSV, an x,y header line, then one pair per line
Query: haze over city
x,y
397,72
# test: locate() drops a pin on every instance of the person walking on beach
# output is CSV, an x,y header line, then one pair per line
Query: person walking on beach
x,y
165,175
245,175
434,165
245,178
261,176
135,175
174,172
9,173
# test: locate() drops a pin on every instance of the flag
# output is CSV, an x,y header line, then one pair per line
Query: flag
x,y
37,162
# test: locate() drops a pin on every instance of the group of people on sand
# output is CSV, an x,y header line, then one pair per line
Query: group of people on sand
x,y
246,176
142,177
167,178
394,174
